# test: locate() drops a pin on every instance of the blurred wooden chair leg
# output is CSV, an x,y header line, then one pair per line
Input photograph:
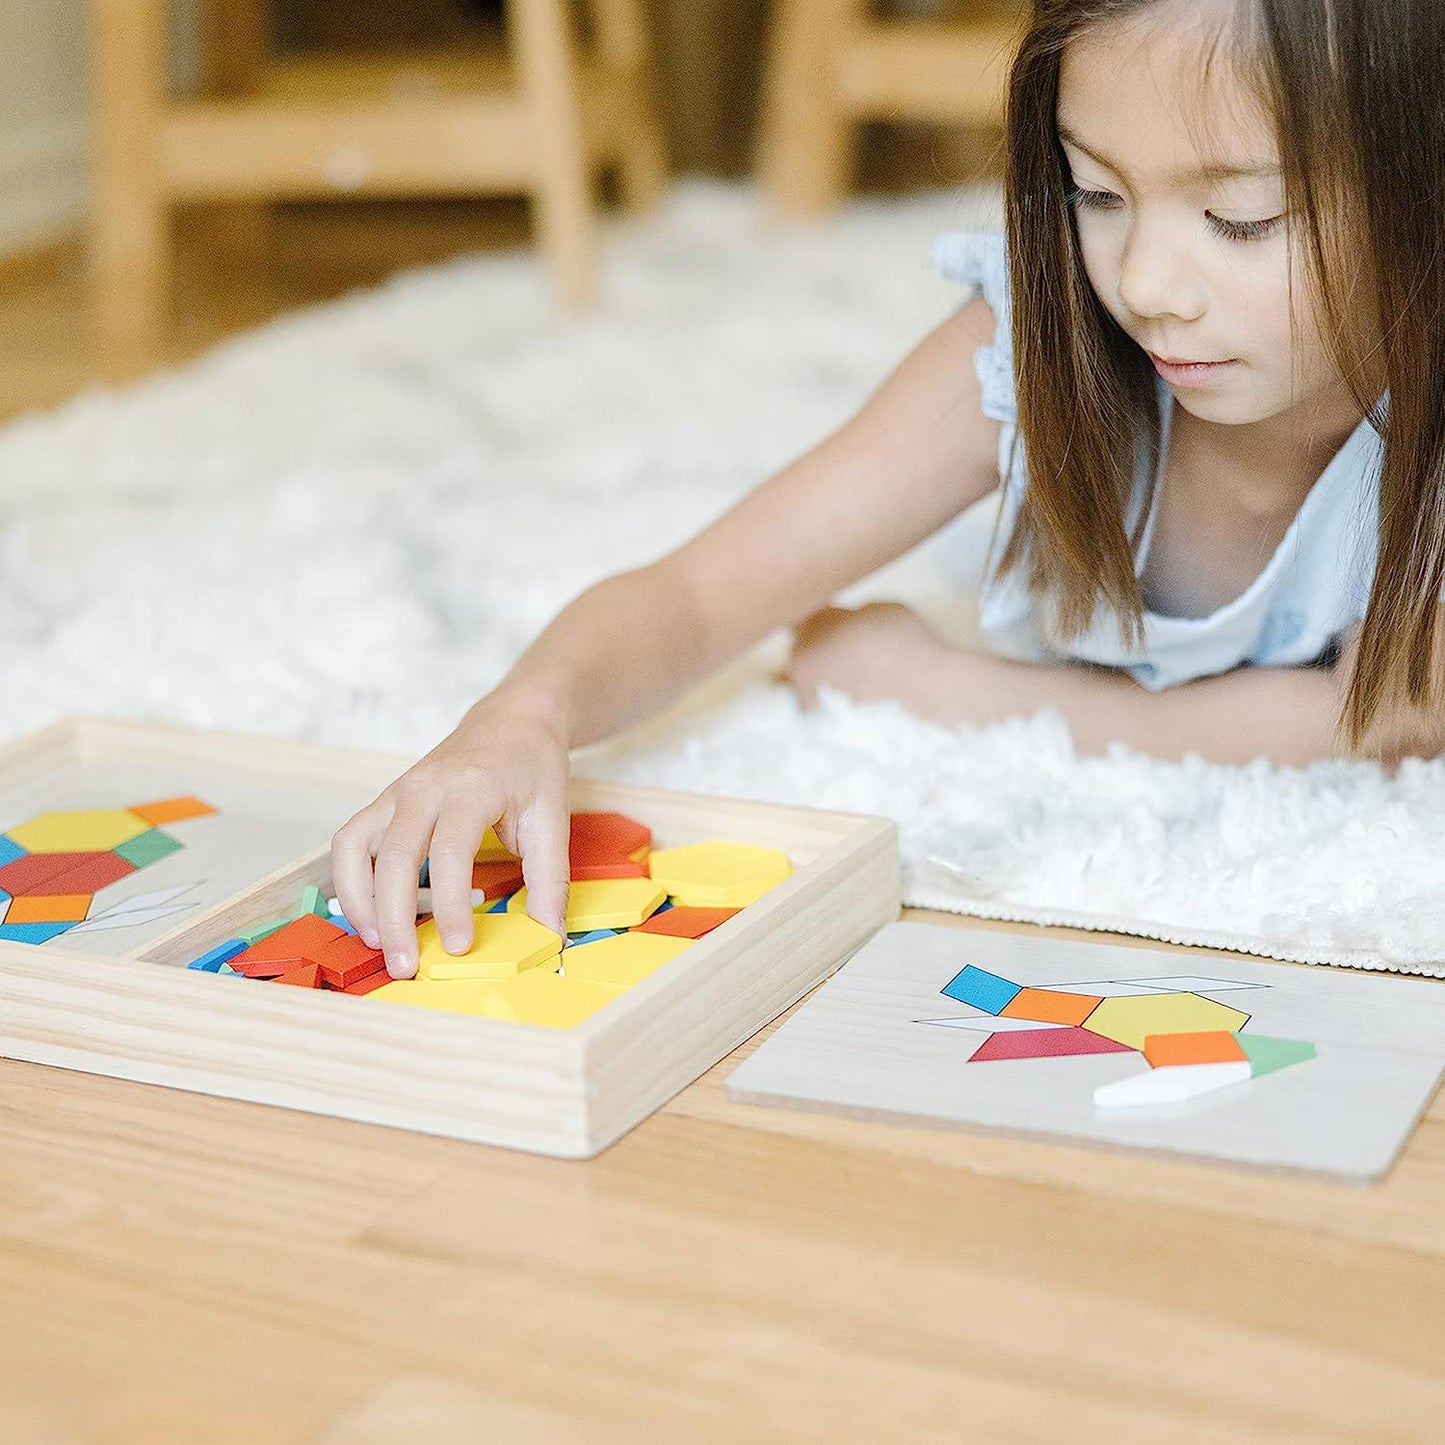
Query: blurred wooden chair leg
x,y
805,139
130,244
238,44
539,34
625,52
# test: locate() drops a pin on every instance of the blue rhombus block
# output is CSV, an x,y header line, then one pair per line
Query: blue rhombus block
x,y
982,990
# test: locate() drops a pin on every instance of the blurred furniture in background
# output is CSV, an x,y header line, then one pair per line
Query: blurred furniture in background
x,y
835,63
532,112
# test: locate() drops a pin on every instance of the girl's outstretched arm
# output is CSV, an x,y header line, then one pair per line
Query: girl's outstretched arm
x,y
916,454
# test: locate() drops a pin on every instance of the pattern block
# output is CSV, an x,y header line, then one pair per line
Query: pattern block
x,y
51,908
1172,1085
172,810
490,850
502,877
503,945
1047,1006
57,861
542,997
607,835
604,903
602,845
148,847
1218,1046
31,932
982,990
347,960
687,922
211,961
99,871
33,872
623,960
95,831
1131,1020
717,874
307,976
1265,1054
1051,1043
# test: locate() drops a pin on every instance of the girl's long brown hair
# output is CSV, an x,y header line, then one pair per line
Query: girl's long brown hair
x,y
1357,92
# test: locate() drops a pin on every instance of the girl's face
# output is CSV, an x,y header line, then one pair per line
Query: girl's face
x,y
1179,204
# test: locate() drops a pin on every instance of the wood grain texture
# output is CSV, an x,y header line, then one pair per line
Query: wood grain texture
x,y
518,115
565,1092
194,1268
835,63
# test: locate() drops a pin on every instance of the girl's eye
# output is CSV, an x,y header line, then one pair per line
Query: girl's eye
x,y
1244,230
1094,200
1234,230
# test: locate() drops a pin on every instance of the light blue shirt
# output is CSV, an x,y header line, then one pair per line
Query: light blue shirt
x,y
1314,587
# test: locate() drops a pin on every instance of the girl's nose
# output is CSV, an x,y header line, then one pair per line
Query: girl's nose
x,y
1157,277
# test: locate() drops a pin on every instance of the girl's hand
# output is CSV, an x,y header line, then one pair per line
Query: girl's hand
x,y
877,652
505,765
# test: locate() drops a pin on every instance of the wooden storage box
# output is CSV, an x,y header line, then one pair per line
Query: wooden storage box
x,y
126,1006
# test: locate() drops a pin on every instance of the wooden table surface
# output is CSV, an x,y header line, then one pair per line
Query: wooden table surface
x,y
182,1268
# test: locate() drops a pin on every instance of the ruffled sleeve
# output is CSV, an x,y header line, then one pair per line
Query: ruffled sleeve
x,y
979,259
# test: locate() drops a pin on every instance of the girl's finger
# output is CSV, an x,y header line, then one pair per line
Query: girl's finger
x,y
543,834
352,849
454,843
398,862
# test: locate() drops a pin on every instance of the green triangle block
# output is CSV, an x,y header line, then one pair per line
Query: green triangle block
x,y
264,929
147,848
313,900
1265,1055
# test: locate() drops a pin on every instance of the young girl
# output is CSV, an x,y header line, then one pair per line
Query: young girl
x,y
1222,520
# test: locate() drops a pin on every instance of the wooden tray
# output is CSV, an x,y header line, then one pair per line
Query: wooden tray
x,y
140,1014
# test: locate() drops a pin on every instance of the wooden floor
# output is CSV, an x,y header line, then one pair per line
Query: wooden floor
x,y
180,1268
48,350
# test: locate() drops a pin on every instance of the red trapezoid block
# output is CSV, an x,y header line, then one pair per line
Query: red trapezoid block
x,y
35,871
1045,1044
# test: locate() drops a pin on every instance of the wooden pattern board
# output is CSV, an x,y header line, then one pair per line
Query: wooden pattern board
x,y
569,1092
259,821
882,1039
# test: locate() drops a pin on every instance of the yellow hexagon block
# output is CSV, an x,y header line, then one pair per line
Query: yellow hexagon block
x,y
1129,1020
491,849
454,996
719,875
504,945
624,960
97,831
540,996
604,903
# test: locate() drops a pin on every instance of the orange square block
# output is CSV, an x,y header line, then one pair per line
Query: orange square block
x,y
497,878
307,976
347,960
683,922
52,908
302,938
1217,1046
172,810
367,985
1044,1006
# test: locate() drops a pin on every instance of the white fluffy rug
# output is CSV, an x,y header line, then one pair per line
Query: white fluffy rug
x,y
347,525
